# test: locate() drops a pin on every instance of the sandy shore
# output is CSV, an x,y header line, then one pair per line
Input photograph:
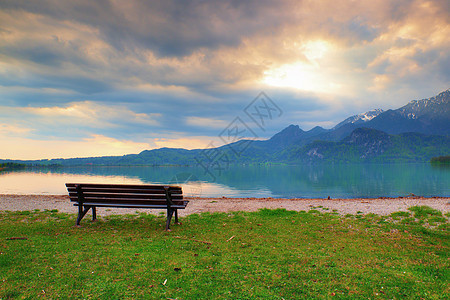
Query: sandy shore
x,y
380,206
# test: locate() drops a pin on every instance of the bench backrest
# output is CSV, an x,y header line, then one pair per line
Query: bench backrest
x,y
126,195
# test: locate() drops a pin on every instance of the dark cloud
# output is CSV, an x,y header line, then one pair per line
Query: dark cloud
x,y
169,27
362,30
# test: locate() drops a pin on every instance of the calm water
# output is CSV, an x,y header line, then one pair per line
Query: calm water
x,y
318,181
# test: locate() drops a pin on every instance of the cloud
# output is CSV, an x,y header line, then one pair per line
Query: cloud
x,y
143,70
78,120
95,145
168,28
206,122
93,114
13,130
206,47
193,142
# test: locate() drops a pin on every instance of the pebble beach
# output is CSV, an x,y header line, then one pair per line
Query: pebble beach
x,y
379,206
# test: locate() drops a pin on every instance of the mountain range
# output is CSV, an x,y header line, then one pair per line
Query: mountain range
x,y
414,132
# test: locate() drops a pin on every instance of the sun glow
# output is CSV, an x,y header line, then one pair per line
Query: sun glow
x,y
307,74
299,75
315,50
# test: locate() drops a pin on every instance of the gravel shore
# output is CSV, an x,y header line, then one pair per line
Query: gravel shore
x,y
379,206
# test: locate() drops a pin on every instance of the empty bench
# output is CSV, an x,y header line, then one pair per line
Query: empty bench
x,y
89,196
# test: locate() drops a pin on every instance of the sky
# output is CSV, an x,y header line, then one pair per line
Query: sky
x,y
110,77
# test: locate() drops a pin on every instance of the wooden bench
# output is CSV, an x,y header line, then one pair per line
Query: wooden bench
x,y
89,196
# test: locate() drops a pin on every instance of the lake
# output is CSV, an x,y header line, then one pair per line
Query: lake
x,y
305,181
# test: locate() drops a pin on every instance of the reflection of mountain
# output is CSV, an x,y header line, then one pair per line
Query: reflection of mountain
x,y
358,180
316,181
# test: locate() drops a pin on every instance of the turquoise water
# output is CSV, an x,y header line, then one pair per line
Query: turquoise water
x,y
315,181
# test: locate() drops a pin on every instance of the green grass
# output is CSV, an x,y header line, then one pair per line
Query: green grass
x,y
269,254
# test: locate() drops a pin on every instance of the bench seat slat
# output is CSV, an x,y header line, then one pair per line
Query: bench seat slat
x,y
128,205
87,186
132,201
114,185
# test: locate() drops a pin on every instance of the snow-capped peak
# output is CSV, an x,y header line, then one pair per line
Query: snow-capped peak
x,y
367,116
361,118
437,105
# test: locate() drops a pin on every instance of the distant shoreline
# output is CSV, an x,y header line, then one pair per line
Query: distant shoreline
x,y
379,206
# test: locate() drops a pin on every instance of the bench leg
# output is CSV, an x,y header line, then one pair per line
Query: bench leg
x,y
82,211
169,218
80,214
94,213
176,216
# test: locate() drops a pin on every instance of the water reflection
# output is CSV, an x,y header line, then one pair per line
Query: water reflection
x,y
307,181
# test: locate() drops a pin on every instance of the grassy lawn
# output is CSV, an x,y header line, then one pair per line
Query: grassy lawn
x,y
269,254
